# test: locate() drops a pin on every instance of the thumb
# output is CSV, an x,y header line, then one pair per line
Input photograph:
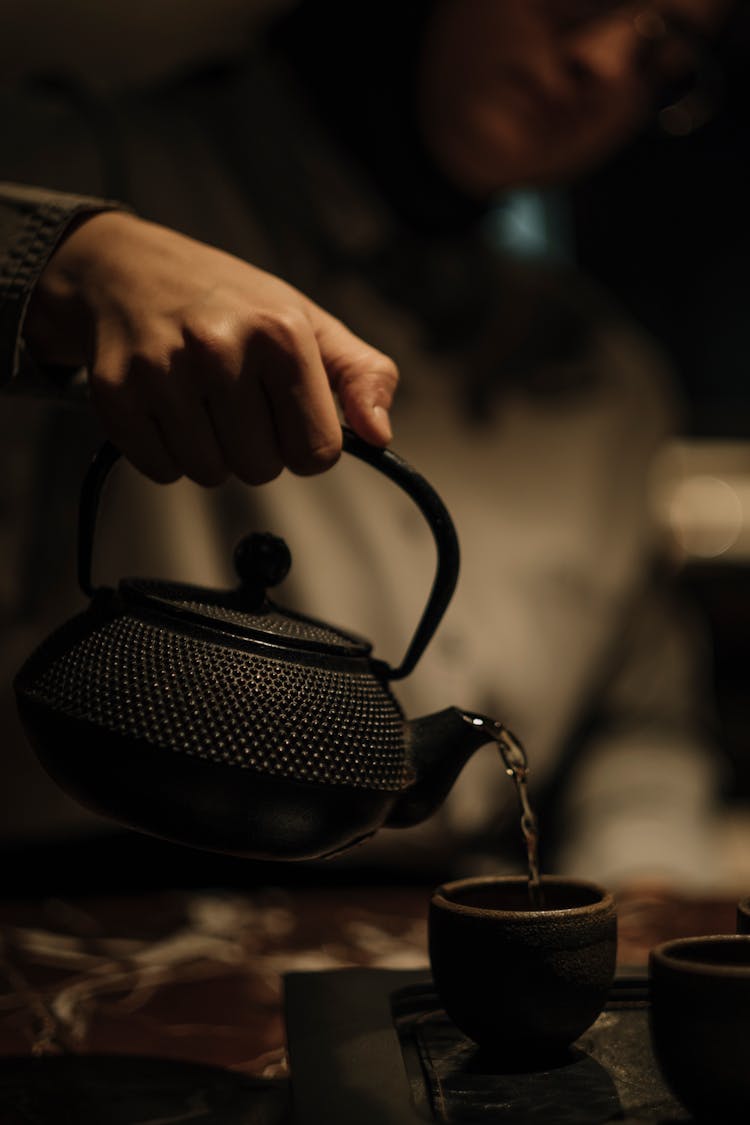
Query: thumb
x,y
363,379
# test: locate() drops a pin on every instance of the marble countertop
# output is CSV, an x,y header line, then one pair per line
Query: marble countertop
x,y
174,998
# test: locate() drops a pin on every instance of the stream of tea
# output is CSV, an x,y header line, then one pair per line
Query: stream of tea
x,y
516,766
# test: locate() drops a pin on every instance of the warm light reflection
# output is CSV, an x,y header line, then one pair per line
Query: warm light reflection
x,y
701,496
706,515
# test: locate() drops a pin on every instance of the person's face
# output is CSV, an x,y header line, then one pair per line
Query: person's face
x,y
530,92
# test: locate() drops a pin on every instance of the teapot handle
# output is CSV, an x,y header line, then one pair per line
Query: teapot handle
x,y
443,532
386,462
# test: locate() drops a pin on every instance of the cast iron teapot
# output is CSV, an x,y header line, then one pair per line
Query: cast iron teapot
x,y
217,719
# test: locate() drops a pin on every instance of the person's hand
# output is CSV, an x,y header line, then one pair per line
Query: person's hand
x,y
199,363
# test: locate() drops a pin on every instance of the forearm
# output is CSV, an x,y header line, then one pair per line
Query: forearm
x,y
33,220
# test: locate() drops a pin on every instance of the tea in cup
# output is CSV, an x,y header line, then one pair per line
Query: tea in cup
x,y
700,1023
522,980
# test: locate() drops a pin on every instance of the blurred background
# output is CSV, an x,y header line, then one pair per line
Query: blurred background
x,y
665,227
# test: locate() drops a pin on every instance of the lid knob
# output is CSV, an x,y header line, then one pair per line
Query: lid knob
x,y
261,560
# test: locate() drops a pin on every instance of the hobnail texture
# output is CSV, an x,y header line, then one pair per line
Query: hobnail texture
x,y
126,675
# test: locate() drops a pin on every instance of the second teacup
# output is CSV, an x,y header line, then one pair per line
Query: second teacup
x,y
523,981
700,1023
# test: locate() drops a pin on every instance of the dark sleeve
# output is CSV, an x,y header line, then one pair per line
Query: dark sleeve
x,y
32,222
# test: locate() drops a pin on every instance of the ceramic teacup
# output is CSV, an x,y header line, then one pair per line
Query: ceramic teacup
x,y
700,1023
743,916
522,981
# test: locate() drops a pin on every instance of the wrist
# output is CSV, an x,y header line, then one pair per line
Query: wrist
x,y
57,327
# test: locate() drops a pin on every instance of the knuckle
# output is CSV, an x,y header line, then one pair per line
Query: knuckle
x,y
374,369
215,349
286,328
317,458
157,354
211,338
387,370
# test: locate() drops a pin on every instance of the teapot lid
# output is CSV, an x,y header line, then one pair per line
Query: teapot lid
x,y
261,560
246,614
223,612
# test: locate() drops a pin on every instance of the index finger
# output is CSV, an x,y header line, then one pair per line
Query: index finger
x,y
363,378
295,381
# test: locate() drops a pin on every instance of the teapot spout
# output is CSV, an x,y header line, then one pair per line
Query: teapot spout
x,y
438,747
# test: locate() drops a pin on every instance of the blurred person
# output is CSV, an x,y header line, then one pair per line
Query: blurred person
x,y
365,180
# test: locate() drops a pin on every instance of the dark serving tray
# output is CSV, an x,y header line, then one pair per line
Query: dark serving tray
x,y
374,1047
